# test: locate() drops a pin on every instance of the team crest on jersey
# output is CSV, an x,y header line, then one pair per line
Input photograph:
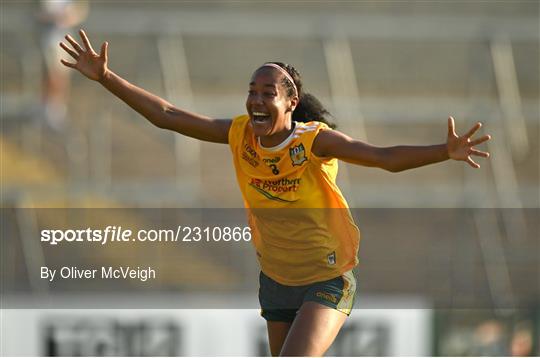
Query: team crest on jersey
x,y
298,154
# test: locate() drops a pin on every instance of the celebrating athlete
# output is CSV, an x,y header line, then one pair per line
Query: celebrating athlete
x,y
285,154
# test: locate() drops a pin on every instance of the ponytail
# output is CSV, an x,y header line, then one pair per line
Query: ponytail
x,y
309,108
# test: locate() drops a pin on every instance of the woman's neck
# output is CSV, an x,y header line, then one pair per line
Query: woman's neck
x,y
274,140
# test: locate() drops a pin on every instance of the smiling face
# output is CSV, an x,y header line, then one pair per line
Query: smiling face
x,y
269,107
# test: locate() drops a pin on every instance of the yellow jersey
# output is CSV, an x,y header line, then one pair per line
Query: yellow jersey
x,y
301,226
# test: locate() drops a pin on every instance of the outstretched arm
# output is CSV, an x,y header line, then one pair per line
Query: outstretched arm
x,y
395,159
158,111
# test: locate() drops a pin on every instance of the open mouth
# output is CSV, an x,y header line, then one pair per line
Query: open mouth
x,y
261,117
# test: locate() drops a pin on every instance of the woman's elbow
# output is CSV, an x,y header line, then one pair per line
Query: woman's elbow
x,y
163,119
384,161
390,168
396,170
393,167
161,124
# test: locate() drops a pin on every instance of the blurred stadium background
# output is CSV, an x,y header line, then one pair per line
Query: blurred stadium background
x,y
389,72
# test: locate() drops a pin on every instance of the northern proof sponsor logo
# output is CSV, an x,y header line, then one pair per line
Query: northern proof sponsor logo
x,y
277,186
272,189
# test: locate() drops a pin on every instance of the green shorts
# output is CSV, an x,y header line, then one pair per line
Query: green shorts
x,y
280,302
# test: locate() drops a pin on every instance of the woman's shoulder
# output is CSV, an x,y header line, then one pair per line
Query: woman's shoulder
x,y
241,118
238,128
309,127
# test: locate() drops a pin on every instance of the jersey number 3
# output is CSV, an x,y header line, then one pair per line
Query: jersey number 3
x,y
274,168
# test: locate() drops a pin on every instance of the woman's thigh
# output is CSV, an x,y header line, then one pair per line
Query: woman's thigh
x,y
277,332
313,330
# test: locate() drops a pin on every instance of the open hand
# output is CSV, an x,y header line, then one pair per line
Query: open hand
x,y
462,147
88,62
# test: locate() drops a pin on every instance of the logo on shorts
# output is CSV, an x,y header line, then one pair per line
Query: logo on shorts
x,y
331,258
298,154
326,296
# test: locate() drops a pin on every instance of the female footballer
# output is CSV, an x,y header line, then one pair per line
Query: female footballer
x,y
285,155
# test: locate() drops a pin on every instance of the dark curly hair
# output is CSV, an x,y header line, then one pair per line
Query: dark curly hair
x,y
309,108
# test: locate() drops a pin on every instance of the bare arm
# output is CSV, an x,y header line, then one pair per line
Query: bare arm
x,y
158,111
163,114
399,158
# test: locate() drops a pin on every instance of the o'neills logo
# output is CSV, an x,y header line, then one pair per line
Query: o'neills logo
x,y
269,161
326,296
